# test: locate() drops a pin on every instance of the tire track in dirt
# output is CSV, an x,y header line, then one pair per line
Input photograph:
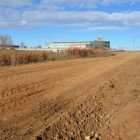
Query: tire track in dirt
x,y
35,107
87,117
28,90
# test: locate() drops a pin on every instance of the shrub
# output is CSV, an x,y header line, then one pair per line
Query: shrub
x,y
5,59
85,52
23,57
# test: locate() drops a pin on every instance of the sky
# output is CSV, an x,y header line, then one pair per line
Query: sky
x,y
39,22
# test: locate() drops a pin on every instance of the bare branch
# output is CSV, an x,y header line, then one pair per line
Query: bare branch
x,y
22,44
6,41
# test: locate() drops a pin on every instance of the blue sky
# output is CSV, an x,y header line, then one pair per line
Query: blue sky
x,y
38,22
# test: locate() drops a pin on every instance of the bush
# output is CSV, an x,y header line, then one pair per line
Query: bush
x,y
23,57
5,59
85,52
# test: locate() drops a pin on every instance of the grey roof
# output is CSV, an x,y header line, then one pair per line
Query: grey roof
x,y
81,42
75,42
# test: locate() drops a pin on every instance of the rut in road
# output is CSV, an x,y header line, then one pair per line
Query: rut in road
x,y
64,99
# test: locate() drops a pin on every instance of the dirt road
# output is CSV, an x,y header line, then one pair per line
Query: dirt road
x,y
72,99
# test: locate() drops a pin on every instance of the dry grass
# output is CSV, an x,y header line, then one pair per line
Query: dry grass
x,y
13,57
85,52
5,59
16,57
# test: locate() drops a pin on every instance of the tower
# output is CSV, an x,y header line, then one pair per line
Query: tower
x,y
100,38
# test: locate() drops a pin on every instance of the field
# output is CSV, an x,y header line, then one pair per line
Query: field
x,y
72,99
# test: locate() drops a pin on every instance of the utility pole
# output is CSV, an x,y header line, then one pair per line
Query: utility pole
x,y
134,43
119,47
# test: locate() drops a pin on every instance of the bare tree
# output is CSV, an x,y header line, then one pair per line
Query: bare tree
x,y
6,41
22,44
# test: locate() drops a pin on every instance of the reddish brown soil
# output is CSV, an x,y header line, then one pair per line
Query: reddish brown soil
x,y
72,99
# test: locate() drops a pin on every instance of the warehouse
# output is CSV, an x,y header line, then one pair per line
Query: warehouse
x,y
82,44
86,44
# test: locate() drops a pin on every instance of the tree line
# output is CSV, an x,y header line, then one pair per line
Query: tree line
x,y
7,42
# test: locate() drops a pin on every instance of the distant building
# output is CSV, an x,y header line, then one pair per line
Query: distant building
x,y
8,47
82,44
15,46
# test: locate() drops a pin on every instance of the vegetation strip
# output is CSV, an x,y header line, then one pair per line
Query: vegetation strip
x,y
14,57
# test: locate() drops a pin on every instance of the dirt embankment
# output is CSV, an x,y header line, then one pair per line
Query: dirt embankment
x,y
72,99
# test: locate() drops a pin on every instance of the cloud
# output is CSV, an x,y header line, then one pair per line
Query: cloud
x,y
109,2
23,23
82,5
38,18
61,4
31,28
134,33
46,43
19,24
9,14
79,19
107,28
52,13
16,3
56,36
